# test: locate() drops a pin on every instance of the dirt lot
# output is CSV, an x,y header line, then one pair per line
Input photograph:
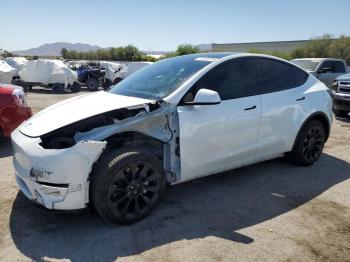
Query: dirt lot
x,y
271,211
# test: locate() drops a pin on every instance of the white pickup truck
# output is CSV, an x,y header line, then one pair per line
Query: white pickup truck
x,y
341,95
325,69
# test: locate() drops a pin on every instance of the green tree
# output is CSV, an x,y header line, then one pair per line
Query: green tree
x,y
64,53
273,53
186,49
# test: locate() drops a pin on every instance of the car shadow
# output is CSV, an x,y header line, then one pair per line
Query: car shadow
x,y
5,147
216,206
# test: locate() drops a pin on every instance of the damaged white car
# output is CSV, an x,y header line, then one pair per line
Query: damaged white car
x,y
173,121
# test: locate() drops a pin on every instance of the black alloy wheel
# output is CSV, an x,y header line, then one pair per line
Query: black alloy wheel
x,y
127,184
309,144
134,190
313,144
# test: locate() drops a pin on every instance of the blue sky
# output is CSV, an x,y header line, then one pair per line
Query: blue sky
x,y
162,25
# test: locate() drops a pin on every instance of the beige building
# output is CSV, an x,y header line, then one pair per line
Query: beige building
x,y
282,46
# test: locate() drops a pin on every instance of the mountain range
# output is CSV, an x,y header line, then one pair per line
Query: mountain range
x,y
54,49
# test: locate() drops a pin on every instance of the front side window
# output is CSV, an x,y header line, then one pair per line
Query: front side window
x,y
327,67
232,79
277,76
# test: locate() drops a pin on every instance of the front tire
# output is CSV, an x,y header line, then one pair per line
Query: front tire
x,y
309,144
127,185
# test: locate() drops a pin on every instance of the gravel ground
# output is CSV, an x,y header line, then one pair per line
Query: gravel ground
x,y
271,211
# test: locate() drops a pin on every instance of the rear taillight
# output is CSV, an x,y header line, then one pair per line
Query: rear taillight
x,y
330,92
19,97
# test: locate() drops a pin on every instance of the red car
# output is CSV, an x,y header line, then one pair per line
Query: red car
x,y
13,108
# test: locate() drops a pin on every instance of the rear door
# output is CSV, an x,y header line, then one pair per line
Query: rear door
x,y
285,105
215,138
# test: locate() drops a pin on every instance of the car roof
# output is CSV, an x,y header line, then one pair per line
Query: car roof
x,y
319,59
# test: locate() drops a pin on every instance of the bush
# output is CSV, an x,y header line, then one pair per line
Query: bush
x,y
126,53
273,53
325,46
184,49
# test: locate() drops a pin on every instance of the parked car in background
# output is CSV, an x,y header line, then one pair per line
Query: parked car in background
x,y
13,108
7,72
341,95
175,120
325,69
92,76
131,68
17,62
52,74
112,68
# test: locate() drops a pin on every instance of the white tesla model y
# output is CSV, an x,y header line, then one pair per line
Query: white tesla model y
x,y
175,120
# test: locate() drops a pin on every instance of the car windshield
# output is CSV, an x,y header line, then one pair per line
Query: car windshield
x,y
308,65
160,79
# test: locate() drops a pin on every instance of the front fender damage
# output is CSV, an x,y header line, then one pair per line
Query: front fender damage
x,y
154,124
160,124
156,121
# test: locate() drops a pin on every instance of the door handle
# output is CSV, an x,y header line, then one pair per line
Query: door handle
x,y
300,99
250,108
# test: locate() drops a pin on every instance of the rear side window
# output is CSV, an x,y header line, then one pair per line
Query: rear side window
x,y
338,67
333,67
233,79
278,76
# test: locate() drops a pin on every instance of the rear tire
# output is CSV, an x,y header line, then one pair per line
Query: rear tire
x,y
58,88
127,184
340,113
309,144
76,87
92,84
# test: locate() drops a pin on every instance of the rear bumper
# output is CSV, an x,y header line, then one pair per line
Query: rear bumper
x,y
341,101
55,179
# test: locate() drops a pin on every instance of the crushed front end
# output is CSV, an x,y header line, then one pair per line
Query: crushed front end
x,y
54,178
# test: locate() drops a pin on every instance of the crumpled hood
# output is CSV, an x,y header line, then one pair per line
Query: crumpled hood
x,y
343,77
74,109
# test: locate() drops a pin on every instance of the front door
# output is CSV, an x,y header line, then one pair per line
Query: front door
x,y
214,138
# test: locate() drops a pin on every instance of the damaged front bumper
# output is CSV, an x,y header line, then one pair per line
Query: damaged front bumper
x,y
54,178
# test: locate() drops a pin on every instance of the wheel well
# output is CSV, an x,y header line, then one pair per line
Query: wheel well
x,y
135,139
324,120
320,116
129,139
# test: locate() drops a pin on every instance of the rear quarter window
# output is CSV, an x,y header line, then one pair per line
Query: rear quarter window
x,y
339,67
279,76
